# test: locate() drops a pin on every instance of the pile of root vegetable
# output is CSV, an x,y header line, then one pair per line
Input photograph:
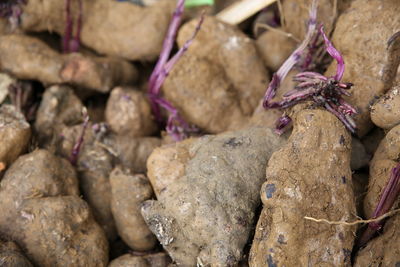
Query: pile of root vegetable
x,y
142,133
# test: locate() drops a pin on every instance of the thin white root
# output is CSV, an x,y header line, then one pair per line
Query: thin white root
x,y
388,214
240,11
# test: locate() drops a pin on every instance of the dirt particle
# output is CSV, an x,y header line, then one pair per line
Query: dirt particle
x,y
269,190
342,140
233,142
281,239
270,262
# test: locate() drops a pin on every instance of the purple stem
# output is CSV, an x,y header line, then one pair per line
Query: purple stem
x,y
72,43
335,54
73,159
389,196
167,46
68,27
282,123
176,126
293,58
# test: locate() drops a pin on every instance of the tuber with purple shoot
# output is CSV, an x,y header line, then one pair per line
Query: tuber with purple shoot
x,y
324,91
176,126
390,194
73,159
71,43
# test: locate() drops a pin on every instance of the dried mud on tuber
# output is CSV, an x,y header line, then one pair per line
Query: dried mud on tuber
x,y
206,133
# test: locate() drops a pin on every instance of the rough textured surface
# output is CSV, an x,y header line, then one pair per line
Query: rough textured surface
x,y
384,160
15,134
385,113
36,174
296,15
383,250
133,152
94,165
150,260
361,35
42,211
60,231
206,215
309,176
128,192
128,113
218,83
167,163
11,255
112,28
274,48
59,106
21,55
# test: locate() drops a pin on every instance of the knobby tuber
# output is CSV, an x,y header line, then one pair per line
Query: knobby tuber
x,y
383,250
110,27
167,163
384,160
217,84
151,260
128,191
94,163
128,113
207,214
274,48
21,55
385,113
59,107
43,213
15,134
309,176
365,57
131,152
60,231
11,255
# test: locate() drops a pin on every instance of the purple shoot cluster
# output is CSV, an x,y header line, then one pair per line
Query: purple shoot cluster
x,y
71,43
389,196
73,159
324,91
176,126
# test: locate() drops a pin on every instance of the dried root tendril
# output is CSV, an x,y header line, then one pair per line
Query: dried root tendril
x,y
175,125
324,91
384,216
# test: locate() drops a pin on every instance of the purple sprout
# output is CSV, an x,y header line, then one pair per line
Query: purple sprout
x,y
176,125
22,96
71,43
324,91
73,159
389,196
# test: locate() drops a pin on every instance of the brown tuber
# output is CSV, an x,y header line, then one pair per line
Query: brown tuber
x,y
219,81
128,113
207,214
128,191
15,134
309,176
21,55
